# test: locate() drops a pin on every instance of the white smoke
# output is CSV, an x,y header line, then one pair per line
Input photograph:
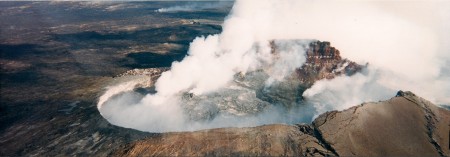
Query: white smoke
x,y
205,73
291,56
406,44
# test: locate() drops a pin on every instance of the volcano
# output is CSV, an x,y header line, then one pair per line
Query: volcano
x,y
251,98
361,131
228,78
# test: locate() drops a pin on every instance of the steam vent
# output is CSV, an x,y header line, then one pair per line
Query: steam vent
x,y
335,133
249,95
225,78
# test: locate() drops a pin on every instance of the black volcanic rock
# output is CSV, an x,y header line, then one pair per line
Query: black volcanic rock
x,y
57,57
401,126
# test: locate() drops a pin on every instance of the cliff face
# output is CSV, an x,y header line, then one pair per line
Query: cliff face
x,y
405,125
324,62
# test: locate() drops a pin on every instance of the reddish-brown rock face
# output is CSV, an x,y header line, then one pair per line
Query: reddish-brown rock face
x,y
323,50
324,62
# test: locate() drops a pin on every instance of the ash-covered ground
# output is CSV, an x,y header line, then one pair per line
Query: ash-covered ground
x,y
56,58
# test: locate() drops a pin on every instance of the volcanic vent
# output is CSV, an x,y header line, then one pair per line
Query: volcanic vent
x,y
251,98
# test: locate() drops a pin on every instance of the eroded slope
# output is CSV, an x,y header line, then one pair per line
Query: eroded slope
x,y
405,125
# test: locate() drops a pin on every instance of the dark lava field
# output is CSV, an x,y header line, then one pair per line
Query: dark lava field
x,y
56,58
71,69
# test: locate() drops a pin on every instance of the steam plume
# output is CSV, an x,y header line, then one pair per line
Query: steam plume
x,y
404,42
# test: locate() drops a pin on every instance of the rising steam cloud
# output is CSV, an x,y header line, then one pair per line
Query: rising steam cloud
x,y
406,44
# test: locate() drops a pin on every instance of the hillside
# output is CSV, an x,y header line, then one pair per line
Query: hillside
x,y
405,125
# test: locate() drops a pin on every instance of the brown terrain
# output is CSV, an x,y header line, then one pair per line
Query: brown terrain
x,y
324,62
405,125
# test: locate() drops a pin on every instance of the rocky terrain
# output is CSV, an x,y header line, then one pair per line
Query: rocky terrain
x,y
405,125
269,140
324,62
248,93
56,58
